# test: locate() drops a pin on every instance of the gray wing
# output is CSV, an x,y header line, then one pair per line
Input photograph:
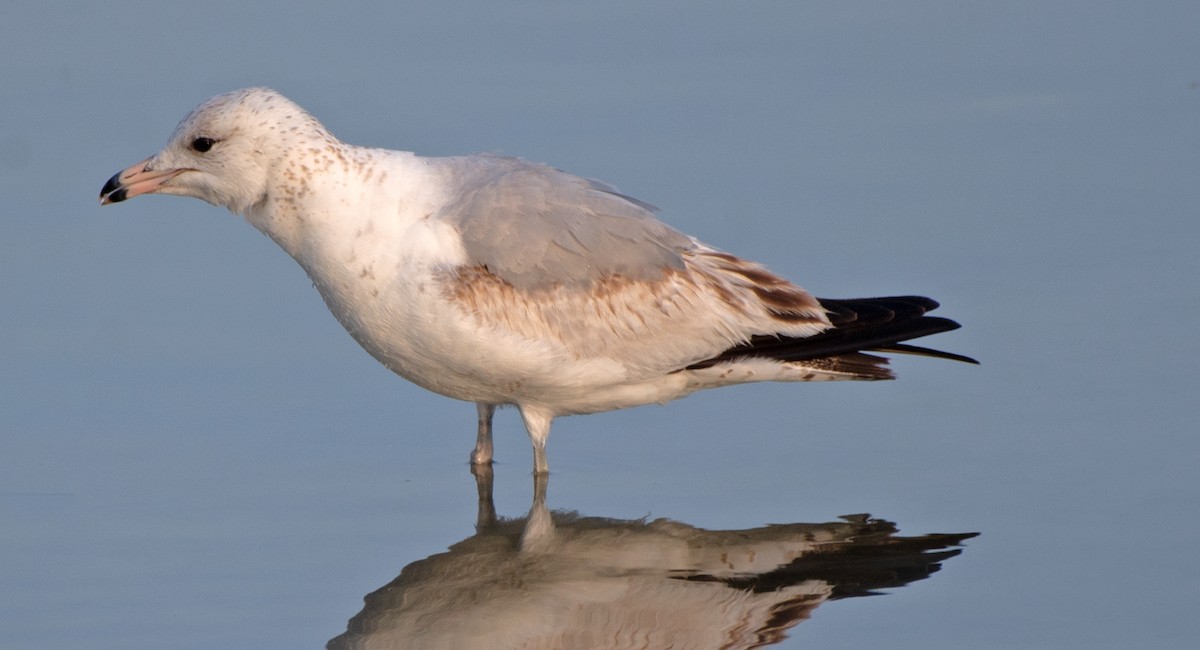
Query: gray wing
x,y
535,226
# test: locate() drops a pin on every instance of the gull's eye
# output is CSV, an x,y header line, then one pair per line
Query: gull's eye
x,y
203,144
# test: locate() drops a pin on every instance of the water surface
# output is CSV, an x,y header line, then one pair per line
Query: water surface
x,y
194,455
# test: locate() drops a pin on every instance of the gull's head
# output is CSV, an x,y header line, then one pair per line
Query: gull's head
x,y
223,152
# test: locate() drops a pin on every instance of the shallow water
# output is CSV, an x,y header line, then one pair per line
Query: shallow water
x,y
565,580
194,455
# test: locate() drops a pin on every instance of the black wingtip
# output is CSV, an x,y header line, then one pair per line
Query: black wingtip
x,y
859,325
901,348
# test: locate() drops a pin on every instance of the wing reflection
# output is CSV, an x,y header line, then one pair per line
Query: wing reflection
x,y
561,580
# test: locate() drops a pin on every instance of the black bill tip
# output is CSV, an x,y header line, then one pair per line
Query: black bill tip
x,y
112,192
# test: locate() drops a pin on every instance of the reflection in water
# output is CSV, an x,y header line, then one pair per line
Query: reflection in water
x,y
561,580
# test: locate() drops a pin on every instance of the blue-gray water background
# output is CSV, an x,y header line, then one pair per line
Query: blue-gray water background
x,y
193,454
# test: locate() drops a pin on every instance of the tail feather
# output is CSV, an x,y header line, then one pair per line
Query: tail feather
x,y
859,325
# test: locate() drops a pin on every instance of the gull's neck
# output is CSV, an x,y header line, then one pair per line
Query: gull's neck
x,y
326,198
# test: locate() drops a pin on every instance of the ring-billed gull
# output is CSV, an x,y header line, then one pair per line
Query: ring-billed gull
x,y
503,282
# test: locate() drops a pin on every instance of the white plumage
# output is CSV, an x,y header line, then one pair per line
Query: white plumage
x,y
500,281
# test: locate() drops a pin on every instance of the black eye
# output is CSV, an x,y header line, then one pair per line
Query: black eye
x,y
203,144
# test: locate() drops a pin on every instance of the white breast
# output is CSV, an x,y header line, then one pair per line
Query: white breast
x,y
367,238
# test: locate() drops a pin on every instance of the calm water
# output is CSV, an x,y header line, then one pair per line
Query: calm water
x,y
194,455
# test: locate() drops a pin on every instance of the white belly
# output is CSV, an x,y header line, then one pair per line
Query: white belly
x,y
412,328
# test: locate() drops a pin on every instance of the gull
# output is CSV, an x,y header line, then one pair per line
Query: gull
x,y
501,281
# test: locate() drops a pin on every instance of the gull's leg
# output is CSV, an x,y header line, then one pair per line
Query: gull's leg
x,y
537,423
483,443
